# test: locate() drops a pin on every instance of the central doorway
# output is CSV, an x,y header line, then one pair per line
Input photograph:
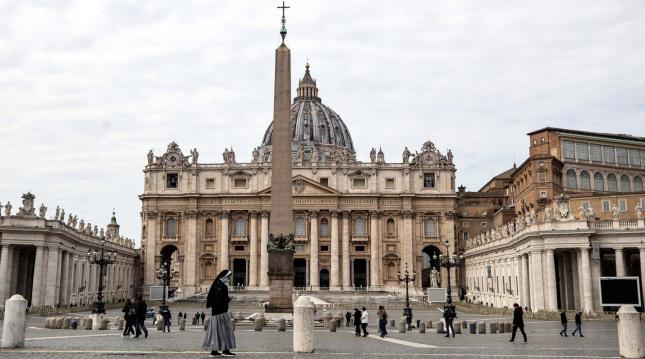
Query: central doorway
x,y
360,273
324,278
239,272
299,272
429,263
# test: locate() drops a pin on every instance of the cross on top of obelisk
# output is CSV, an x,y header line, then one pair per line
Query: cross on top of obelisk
x,y
283,31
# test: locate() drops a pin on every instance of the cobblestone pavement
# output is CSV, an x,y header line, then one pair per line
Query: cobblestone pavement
x,y
600,341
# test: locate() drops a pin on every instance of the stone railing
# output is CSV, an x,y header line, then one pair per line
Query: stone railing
x,y
360,239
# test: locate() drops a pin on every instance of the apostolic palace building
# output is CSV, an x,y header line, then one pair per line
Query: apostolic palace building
x,y
356,223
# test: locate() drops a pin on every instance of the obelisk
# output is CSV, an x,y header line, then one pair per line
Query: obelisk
x,y
280,246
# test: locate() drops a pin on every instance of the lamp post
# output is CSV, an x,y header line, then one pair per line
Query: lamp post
x,y
406,277
102,259
449,261
165,274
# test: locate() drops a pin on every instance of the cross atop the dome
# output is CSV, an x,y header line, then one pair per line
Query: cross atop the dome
x,y
283,31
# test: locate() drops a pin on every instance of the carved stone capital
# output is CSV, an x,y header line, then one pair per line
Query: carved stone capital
x,y
346,213
334,213
191,213
406,213
225,214
253,213
152,214
313,213
264,213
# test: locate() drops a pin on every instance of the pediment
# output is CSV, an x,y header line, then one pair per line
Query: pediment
x,y
303,186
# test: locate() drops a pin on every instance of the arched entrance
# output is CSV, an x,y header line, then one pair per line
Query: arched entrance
x,y
170,259
324,278
360,273
428,264
299,272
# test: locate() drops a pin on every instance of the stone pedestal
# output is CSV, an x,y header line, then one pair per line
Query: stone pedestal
x,y
282,325
182,324
402,328
280,282
96,320
629,332
422,327
13,328
303,325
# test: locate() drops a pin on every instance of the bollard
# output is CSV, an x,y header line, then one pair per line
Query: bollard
x,y
105,324
182,324
282,325
206,323
96,321
48,323
326,319
74,323
13,328
457,327
392,323
500,328
481,328
194,321
508,327
119,324
428,324
259,321
88,324
339,320
629,332
402,325
303,325
66,322
472,327
332,326
160,323
422,327
441,327
59,323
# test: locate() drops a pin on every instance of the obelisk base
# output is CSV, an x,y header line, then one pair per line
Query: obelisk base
x,y
280,282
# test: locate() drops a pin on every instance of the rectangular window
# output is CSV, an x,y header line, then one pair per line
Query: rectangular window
x,y
605,206
542,194
582,151
428,180
466,224
324,248
643,158
643,203
622,205
609,154
239,182
634,157
324,181
210,183
239,248
389,183
484,224
585,205
465,236
358,182
568,149
542,176
299,247
595,152
359,248
621,156
172,180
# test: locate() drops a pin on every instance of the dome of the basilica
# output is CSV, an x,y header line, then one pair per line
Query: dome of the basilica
x,y
313,123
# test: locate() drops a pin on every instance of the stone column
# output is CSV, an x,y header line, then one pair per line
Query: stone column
x,y
334,272
52,276
567,287
5,260
526,299
191,262
587,301
36,300
408,255
253,251
264,254
223,256
641,251
64,271
620,262
151,251
314,272
346,263
536,279
375,246
551,281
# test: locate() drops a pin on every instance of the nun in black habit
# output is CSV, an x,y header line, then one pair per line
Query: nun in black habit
x,y
219,335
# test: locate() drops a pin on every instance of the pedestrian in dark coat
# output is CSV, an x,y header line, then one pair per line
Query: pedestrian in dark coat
x,y
348,318
382,321
129,316
219,335
166,319
449,315
203,316
142,309
357,321
518,322
197,318
564,321
578,329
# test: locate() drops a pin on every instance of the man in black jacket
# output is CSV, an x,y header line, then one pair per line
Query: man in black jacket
x,y
518,322
564,321
578,325
357,321
142,310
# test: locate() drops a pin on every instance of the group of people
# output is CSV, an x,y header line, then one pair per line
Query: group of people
x,y
564,321
360,321
134,315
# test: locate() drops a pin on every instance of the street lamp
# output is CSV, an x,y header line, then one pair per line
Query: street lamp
x,y
165,274
406,278
449,261
102,259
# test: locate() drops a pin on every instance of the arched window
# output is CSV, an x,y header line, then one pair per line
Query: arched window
x,y
208,228
143,231
324,227
612,183
300,226
598,182
430,227
390,227
571,179
585,180
240,227
171,227
359,226
624,183
638,184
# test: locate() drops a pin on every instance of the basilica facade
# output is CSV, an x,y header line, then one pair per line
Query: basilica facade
x,y
356,223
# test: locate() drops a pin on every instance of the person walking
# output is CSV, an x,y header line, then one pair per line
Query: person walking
x,y
364,321
357,321
129,315
518,322
142,309
180,315
448,316
564,321
348,318
219,335
197,318
382,321
578,329
203,316
165,313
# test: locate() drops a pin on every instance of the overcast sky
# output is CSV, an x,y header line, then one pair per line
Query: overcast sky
x,y
88,87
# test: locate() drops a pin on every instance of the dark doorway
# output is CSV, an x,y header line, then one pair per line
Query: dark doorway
x,y
299,272
360,273
239,272
428,263
324,279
